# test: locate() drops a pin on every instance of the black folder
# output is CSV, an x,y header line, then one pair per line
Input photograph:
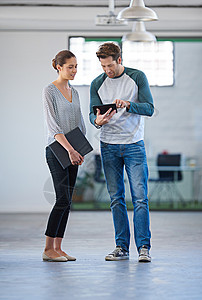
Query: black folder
x,y
78,141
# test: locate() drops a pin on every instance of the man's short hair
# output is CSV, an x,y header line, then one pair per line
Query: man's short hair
x,y
109,49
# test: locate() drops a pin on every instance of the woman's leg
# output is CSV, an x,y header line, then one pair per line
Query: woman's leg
x,y
72,174
61,183
58,240
49,248
58,249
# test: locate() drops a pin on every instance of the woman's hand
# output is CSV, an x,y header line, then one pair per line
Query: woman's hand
x,y
75,157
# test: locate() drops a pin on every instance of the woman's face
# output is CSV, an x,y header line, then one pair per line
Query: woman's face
x,y
69,69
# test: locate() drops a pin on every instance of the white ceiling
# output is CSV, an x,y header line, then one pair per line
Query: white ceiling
x,y
180,18
102,3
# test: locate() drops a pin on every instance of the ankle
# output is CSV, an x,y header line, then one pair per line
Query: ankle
x,y
48,249
57,249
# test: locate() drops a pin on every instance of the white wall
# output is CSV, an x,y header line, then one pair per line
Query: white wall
x,y
177,126
26,69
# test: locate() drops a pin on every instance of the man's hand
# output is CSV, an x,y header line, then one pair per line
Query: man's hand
x,y
122,103
104,119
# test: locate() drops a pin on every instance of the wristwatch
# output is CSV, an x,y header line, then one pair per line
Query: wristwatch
x,y
96,125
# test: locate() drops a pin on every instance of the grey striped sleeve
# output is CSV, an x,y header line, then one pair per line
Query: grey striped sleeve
x,y
52,123
82,125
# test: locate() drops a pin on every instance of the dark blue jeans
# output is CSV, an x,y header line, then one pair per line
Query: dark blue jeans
x,y
133,157
64,182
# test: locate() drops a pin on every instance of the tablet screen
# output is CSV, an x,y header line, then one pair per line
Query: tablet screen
x,y
104,108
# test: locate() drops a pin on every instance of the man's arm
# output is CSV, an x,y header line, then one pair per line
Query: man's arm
x,y
144,106
94,100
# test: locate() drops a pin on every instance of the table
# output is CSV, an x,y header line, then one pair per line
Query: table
x,y
196,181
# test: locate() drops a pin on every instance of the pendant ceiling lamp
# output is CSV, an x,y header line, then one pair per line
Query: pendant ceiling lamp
x,y
139,34
137,11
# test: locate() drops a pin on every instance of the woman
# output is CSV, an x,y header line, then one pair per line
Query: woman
x,y
62,114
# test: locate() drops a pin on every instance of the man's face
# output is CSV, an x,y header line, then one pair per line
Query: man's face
x,y
111,67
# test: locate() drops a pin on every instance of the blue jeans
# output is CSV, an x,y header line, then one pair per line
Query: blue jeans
x,y
133,157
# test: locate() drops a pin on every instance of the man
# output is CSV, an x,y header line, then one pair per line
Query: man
x,y
122,144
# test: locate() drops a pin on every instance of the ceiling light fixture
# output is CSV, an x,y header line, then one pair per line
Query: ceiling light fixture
x,y
139,34
137,11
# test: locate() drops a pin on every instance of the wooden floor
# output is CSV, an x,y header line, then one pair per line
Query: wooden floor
x,y
175,271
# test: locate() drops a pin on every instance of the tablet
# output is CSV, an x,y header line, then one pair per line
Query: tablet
x,y
104,108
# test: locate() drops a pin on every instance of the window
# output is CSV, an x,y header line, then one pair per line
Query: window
x,y
88,64
154,59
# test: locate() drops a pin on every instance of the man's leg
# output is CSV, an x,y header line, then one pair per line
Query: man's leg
x,y
137,171
113,168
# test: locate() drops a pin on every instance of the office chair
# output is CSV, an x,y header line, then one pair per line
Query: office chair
x,y
165,184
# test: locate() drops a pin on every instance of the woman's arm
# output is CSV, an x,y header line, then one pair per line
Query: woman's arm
x,y
75,157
